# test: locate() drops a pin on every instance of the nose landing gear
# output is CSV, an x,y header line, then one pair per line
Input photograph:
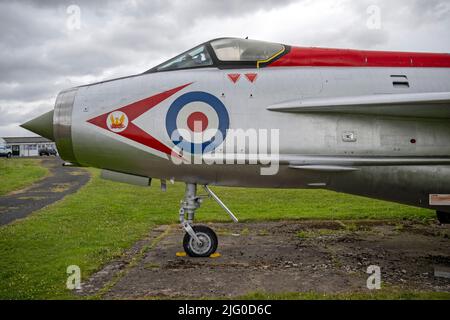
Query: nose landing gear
x,y
199,241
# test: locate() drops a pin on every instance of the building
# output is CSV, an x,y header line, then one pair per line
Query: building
x,y
28,146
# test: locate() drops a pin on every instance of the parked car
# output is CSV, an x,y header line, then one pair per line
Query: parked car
x,y
47,152
5,151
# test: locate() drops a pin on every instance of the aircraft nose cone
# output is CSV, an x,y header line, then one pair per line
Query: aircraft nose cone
x,y
42,125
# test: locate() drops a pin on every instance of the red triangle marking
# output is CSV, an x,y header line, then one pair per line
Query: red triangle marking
x,y
137,108
251,77
234,77
135,133
134,110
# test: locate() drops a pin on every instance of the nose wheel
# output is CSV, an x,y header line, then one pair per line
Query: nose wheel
x,y
205,247
199,241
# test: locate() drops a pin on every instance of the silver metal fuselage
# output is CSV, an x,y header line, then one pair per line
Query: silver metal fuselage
x,y
302,135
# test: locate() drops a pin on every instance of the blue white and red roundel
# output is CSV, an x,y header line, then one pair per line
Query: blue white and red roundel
x,y
197,122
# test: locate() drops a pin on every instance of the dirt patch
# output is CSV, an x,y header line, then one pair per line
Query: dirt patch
x,y
77,173
280,257
60,187
31,198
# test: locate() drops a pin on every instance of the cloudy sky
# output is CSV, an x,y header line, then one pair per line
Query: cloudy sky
x,y
46,46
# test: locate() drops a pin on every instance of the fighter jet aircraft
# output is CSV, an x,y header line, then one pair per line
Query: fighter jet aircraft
x,y
370,123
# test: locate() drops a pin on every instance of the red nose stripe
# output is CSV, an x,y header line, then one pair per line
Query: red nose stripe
x,y
323,57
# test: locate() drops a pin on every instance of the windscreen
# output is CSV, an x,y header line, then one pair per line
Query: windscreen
x,y
197,57
245,50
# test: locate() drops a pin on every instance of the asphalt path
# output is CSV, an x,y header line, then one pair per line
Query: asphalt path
x,y
60,182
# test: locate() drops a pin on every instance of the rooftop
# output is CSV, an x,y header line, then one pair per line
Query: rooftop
x,y
11,140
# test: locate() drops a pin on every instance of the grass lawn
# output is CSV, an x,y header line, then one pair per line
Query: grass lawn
x,y
103,218
18,173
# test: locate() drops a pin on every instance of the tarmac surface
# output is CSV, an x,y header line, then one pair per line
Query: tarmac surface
x,y
60,182
280,257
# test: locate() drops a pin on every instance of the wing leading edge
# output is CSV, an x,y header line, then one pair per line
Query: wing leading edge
x,y
421,105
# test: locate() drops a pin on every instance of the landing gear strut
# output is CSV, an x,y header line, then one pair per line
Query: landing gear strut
x,y
199,241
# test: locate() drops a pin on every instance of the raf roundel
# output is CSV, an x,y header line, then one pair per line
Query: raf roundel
x,y
197,122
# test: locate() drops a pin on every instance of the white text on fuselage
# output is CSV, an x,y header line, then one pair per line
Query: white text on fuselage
x,y
249,146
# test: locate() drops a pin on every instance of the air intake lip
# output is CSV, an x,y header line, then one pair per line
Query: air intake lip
x,y
62,124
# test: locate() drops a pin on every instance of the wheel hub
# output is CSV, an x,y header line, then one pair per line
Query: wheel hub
x,y
200,247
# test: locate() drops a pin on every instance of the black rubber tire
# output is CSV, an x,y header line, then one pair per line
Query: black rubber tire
x,y
8,155
204,231
443,217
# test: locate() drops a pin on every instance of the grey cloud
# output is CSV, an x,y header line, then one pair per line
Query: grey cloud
x,y
18,115
39,55
21,26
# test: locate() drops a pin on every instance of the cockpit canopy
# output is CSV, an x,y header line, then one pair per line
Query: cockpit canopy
x,y
244,50
197,57
225,53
